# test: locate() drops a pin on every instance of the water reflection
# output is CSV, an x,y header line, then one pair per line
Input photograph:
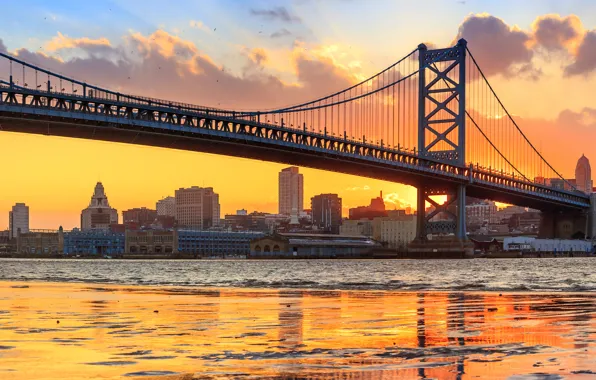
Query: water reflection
x,y
76,331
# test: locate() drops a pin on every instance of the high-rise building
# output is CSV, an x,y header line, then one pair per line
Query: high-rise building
x,y
138,217
291,196
326,212
18,218
583,175
99,215
482,211
166,207
197,208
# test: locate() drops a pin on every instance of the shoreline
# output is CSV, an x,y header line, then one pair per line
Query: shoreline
x,y
398,256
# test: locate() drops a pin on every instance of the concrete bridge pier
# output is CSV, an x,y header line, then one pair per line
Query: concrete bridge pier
x,y
559,224
446,237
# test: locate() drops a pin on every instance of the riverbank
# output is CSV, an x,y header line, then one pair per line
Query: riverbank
x,y
380,255
88,331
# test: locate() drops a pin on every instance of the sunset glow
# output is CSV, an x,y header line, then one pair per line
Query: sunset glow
x,y
208,56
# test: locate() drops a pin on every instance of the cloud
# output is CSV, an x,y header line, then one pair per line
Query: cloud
x,y
281,33
585,59
585,117
563,139
498,48
62,41
394,199
555,33
165,66
2,47
258,56
358,188
276,13
199,25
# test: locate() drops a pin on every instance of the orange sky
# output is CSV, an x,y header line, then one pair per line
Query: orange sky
x,y
56,176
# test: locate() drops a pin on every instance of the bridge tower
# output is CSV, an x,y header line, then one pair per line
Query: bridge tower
x,y
442,135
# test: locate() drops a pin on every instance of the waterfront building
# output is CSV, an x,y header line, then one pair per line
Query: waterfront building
x,y
99,215
291,191
326,212
150,242
93,242
374,210
522,243
309,246
18,219
583,175
362,227
197,208
49,242
166,207
138,218
396,230
216,243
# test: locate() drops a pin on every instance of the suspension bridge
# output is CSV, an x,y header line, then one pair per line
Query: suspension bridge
x,y
431,120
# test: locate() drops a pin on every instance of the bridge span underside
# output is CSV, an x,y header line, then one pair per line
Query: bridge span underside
x,y
251,147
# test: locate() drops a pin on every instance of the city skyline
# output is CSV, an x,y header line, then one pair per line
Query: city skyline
x,y
259,66
389,199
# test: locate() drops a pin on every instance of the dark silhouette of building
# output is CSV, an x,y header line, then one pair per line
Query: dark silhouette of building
x,y
326,212
376,209
527,222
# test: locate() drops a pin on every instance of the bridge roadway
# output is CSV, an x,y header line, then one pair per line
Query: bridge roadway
x,y
143,123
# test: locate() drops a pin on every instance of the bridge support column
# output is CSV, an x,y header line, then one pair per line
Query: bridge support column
x,y
441,233
592,218
567,224
461,213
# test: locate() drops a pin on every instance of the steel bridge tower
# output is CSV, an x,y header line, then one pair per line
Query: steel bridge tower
x,y
442,135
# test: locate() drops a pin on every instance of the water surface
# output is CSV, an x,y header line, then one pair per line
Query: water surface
x,y
556,274
61,331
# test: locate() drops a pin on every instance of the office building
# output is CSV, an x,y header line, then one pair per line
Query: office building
x,y
396,230
481,211
583,175
99,215
138,218
361,227
326,212
255,221
197,208
18,218
291,197
166,207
